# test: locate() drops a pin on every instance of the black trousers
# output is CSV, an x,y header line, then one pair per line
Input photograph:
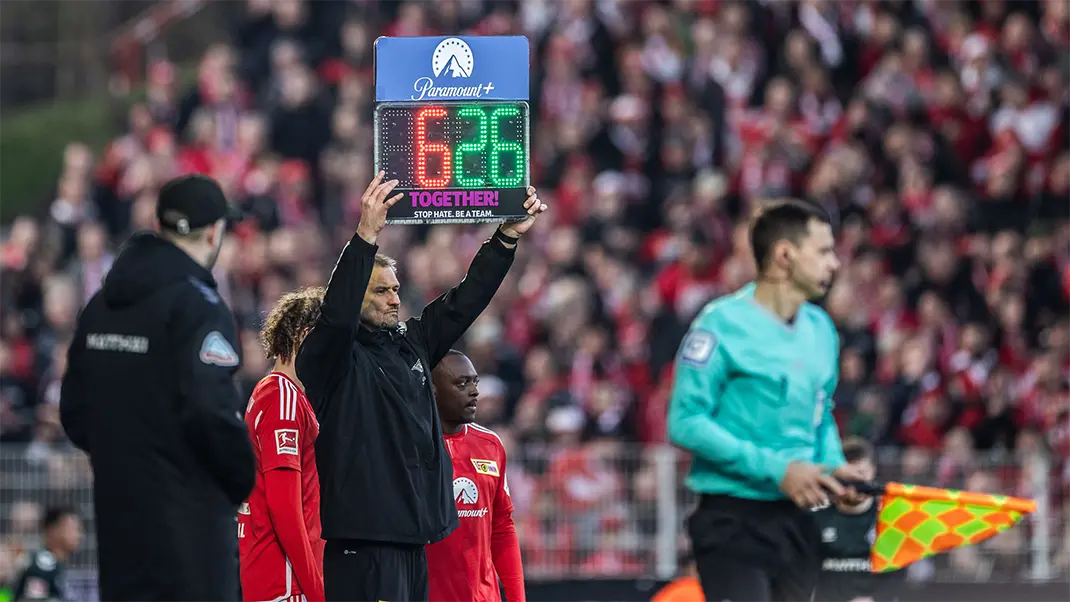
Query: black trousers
x,y
368,571
751,551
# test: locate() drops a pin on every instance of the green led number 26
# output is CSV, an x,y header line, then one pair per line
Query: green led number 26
x,y
489,133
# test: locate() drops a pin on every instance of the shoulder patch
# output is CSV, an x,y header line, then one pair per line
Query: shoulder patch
x,y
698,347
286,442
216,351
205,290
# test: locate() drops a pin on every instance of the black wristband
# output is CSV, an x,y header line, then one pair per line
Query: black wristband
x,y
505,238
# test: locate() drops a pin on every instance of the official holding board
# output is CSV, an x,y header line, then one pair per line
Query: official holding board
x,y
385,476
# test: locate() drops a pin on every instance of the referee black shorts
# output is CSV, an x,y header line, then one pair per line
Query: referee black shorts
x,y
754,551
367,571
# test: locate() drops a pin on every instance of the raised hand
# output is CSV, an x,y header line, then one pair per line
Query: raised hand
x,y
534,206
373,207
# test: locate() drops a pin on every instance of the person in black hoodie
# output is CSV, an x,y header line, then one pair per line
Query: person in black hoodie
x,y
386,481
149,395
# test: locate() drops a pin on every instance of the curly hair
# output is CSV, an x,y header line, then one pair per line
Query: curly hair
x,y
292,317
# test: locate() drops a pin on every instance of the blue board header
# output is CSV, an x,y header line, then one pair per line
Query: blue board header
x,y
430,69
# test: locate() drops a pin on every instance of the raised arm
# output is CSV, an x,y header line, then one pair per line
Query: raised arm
x,y
445,319
324,350
349,280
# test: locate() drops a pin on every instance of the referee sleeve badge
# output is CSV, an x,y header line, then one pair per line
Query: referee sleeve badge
x,y
216,351
698,347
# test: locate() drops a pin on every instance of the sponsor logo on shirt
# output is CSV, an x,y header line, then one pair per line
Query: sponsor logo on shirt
x,y
286,441
846,565
487,467
466,493
101,341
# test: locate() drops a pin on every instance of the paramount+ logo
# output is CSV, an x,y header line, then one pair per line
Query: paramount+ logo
x,y
452,64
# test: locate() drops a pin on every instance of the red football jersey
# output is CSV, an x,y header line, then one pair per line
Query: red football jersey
x,y
283,428
461,567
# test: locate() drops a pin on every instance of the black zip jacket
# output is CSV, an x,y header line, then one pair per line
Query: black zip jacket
x,y
385,475
148,393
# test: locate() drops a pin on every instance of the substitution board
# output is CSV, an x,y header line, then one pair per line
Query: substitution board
x,y
451,125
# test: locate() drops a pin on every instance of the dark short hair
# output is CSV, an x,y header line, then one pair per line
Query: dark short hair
x,y
856,449
788,220
450,353
55,514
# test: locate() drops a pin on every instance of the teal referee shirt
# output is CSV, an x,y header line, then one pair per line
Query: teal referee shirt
x,y
753,393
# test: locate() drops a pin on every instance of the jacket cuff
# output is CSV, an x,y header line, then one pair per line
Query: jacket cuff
x,y
362,245
496,244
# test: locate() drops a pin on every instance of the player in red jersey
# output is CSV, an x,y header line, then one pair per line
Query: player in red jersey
x,y
279,525
468,564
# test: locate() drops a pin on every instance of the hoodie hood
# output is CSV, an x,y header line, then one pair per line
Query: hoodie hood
x,y
146,265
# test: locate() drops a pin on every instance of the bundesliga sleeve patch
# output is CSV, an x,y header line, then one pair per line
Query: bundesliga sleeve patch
x,y
216,351
286,441
698,347
487,467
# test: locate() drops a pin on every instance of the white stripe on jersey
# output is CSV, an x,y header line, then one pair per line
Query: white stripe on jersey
x,y
505,477
287,399
288,596
488,431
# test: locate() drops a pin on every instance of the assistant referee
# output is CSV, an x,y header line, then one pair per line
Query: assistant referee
x,y
752,400
385,476
149,395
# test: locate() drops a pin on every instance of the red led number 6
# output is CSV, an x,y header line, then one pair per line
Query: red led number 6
x,y
423,148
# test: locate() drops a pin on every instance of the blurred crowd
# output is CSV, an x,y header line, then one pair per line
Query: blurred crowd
x,y
934,131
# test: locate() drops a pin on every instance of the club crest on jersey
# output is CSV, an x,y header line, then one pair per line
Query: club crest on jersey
x,y
698,347
244,508
286,441
216,351
487,467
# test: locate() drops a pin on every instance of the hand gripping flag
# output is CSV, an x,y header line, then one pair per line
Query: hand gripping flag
x,y
917,522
